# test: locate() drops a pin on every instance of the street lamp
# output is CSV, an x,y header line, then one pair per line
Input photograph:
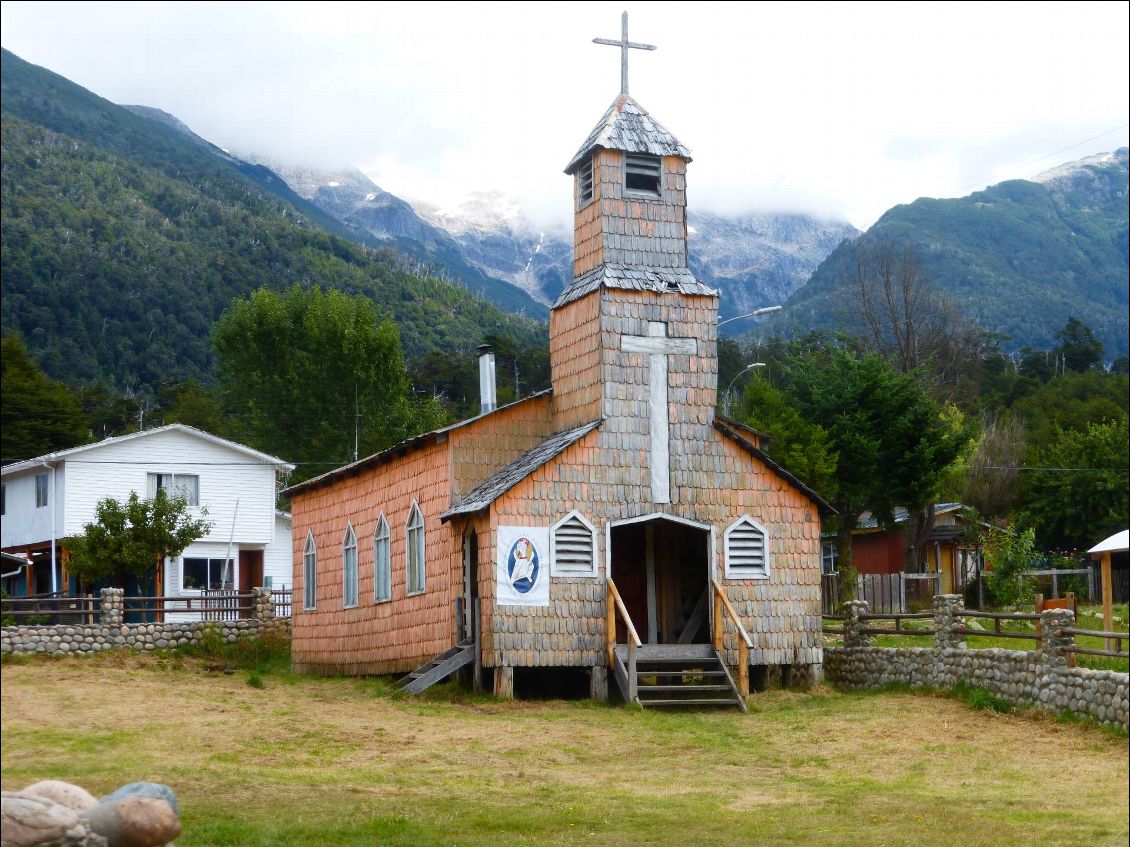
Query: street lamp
x,y
741,373
763,311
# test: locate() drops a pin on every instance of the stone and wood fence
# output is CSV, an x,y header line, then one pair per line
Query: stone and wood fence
x,y
92,630
1045,677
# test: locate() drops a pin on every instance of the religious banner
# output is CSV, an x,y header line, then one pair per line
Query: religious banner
x,y
522,572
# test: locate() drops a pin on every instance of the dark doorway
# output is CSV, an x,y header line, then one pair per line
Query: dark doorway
x,y
660,568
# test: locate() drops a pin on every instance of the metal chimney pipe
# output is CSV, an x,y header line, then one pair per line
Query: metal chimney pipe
x,y
488,393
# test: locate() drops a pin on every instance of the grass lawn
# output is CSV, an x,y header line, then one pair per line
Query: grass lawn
x,y
341,761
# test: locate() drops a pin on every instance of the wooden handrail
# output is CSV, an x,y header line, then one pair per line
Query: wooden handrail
x,y
745,643
616,605
719,591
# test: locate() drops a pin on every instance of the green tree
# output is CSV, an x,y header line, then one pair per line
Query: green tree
x,y
803,447
1078,348
1009,555
1083,497
891,440
308,371
132,538
37,414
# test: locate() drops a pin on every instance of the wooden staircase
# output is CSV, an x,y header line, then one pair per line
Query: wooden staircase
x,y
464,653
676,676
439,668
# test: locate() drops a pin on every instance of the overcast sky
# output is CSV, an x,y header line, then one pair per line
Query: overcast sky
x,y
838,109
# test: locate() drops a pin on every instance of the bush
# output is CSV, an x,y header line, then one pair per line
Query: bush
x,y
1008,558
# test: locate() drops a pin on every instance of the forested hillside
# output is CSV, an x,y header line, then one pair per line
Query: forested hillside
x,y
123,241
1018,258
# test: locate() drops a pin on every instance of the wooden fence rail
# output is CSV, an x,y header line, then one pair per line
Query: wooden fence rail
x,y
1113,638
51,609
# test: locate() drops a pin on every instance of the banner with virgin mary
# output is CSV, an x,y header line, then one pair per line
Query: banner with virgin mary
x,y
522,569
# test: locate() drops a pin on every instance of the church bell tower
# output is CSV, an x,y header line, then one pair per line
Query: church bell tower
x,y
633,338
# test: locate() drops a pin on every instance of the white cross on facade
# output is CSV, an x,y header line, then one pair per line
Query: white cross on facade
x,y
624,44
659,347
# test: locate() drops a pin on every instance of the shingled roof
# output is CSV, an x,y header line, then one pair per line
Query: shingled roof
x,y
627,126
503,480
633,278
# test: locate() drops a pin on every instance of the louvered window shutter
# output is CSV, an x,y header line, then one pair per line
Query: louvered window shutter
x,y
573,548
747,550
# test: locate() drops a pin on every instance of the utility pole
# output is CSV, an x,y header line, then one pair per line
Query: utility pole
x,y
356,422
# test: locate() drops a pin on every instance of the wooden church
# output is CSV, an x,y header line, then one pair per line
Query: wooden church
x,y
615,529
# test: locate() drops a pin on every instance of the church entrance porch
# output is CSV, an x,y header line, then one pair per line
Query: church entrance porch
x,y
661,567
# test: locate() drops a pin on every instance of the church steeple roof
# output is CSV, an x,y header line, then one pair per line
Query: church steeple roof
x,y
628,127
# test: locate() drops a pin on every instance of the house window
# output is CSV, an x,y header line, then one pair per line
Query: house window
x,y
415,533
199,574
40,490
187,485
642,173
584,183
382,561
310,573
349,568
747,550
572,544
829,557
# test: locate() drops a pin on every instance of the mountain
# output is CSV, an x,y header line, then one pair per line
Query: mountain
x,y
1018,258
759,259
753,259
351,198
124,237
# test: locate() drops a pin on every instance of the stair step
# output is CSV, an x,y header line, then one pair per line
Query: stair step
x,y
696,688
719,701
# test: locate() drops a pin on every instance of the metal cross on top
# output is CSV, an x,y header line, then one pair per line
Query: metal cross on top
x,y
624,44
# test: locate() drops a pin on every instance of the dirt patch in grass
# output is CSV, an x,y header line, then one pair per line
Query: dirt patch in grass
x,y
342,761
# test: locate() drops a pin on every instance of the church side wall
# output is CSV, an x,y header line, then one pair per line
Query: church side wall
x,y
574,351
482,446
386,637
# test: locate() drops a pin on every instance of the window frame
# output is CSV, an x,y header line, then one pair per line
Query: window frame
x,y
421,554
310,572
554,569
735,571
382,560
208,560
349,542
642,192
829,552
41,502
153,485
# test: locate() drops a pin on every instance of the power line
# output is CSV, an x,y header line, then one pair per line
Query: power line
x,y
983,182
1035,468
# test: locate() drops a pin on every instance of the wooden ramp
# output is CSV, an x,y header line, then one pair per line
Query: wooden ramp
x,y
439,668
675,676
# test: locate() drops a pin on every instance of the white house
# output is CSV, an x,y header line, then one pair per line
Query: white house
x,y
45,499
